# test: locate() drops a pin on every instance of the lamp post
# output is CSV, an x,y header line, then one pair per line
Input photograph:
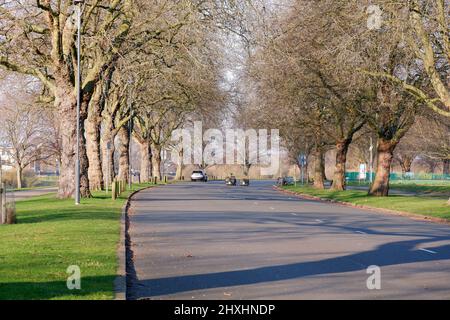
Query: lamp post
x,y
371,160
78,4
130,131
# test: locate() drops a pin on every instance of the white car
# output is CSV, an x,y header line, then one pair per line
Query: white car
x,y
199,175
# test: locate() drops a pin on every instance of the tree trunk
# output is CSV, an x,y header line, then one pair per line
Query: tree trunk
x,y
319,168
19,176
93,152
145,161
156,161
339,182
446,167
405,164
65,103
385,151
179,172
108,137
124,149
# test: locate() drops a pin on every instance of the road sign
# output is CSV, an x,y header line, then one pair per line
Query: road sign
x,y
302,160
362,171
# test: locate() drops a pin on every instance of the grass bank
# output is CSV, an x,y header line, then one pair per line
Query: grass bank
x,y
434,188
52,235
424,205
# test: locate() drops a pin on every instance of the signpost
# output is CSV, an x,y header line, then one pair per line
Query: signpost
x,y
302,161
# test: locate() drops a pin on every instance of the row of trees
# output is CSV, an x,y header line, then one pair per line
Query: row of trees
x,y
326,72
148,67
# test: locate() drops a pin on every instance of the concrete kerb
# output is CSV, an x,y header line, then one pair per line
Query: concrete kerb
x,y
120,283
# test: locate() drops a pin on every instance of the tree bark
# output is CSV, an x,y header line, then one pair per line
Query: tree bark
x,y
156,161
145,161
179,172
385,151
446,167
405,164
65,103
339,182
19,171
93,146
319,168
108,137
124,149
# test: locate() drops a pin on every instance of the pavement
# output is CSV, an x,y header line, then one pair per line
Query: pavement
x,y
26,194
210,241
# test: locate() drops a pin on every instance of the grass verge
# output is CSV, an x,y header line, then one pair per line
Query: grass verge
x,y
437,188
53,234
422,205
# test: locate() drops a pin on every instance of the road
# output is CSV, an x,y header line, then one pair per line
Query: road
x,y
209,241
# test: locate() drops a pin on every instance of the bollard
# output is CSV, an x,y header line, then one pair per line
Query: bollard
x,y
3,212
114,190
2,215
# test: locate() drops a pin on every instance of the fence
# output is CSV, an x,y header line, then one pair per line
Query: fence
x,y
7,206
354,176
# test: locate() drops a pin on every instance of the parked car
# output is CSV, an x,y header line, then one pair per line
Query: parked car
x,y
199,175
285,181
245,182
230,181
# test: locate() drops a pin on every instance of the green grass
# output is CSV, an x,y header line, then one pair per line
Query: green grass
x,y
437,188
53,234
423,205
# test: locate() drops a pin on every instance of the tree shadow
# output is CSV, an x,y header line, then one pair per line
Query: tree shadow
x,y
98,287
393,253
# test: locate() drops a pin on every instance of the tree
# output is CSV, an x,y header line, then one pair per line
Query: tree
x,y
23,129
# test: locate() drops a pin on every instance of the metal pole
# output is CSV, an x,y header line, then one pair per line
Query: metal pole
x,y
129,154
371,160
129,143
108,170
77,164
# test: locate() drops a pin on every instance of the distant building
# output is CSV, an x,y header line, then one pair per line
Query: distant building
x,y
7,161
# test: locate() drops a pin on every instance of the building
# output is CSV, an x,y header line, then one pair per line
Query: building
x,y
7,161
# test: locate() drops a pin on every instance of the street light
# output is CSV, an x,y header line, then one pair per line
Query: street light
x,y
130,131
78,4
371,160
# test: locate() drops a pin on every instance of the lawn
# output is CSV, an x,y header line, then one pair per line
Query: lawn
x,y
53,234
423,205
430,187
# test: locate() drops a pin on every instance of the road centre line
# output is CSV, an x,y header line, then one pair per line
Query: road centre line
x,y
429,251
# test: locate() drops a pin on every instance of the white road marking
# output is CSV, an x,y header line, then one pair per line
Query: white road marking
x,y
360,232
319,221
429,251
294,214
272,208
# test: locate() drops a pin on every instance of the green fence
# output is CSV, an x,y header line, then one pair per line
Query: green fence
x,y
354,176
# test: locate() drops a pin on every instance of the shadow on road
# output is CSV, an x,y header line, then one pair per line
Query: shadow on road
x,y
386,255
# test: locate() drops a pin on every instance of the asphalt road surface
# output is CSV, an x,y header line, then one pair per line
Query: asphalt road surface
x,y
210,241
